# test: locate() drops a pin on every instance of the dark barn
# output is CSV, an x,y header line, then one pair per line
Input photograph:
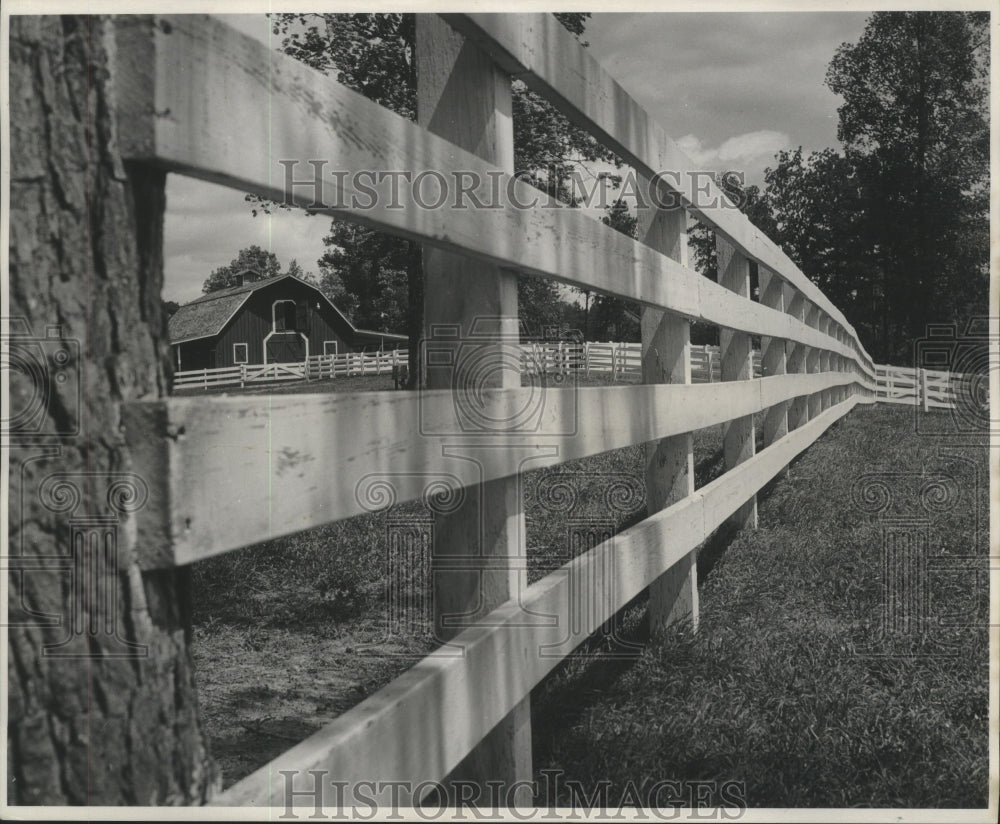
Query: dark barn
x,y
277,320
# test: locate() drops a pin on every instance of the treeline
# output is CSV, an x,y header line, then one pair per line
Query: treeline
x,y
893,226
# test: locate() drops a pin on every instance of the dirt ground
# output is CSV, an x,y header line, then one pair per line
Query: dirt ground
x,y
261,691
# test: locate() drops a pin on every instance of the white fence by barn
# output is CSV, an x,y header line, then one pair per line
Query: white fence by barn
x,y
623,361
926,388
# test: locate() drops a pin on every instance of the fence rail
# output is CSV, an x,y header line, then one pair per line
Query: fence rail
x,y
190,86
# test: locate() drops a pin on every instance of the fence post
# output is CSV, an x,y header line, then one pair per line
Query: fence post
x,y
666,358
463,97
737,365
922,388
824,360
845,366
813,362
773,359
243,375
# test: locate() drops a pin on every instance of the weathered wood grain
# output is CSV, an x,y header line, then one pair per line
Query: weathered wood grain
x,y
267,459
666,358
738,442
774,293
463,97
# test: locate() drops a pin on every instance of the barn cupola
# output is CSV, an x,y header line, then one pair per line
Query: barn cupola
x,y
243,277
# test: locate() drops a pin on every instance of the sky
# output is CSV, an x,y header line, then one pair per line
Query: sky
x,y
731,88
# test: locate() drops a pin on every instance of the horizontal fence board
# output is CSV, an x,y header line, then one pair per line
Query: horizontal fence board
x,y
422,724
537,49
196,100
269,460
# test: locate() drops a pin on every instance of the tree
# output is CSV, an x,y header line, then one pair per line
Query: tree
x,y
262,263
701,240
365,272
914,124
86,253
375,55
749,200
610,317
296,270
821,220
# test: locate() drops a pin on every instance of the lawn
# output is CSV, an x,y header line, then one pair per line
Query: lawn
x,y
791,685
787,685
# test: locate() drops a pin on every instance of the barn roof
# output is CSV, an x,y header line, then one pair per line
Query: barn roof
x,y
205,317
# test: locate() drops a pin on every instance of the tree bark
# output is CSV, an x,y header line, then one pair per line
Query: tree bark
x,y
102,705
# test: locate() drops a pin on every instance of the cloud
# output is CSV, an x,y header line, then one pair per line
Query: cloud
x,y
693,148
714,77
206,226
753,146
750,152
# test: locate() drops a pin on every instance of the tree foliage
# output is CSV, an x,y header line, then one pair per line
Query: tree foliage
x,y
262,264
376,275
748,199
612,318
255,264
893,228
914,124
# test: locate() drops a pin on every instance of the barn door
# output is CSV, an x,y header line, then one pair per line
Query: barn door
x,y
286,348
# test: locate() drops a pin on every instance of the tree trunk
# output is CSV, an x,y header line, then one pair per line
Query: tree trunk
x,y
102,704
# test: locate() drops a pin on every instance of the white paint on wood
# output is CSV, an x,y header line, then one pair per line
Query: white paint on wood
x,y
774,293
268,459
464,98
666,358
738,444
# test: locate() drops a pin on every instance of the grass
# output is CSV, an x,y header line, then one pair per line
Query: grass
x,y
787,685
772,691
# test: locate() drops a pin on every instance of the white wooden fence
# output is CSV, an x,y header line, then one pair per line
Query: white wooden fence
x,y
243,375
622,361
251,468
927,388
